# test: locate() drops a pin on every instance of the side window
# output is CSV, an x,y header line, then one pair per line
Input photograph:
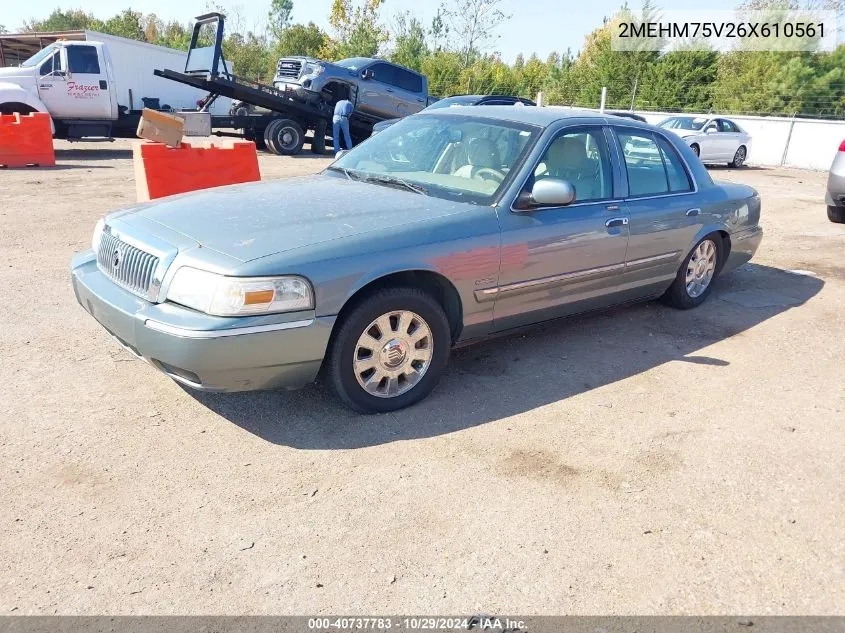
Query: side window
x,y
83,60
580,157
729,126
383,73
407,80
53,63
643,162
676,173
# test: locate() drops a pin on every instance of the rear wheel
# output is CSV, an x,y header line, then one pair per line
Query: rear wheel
x,y
739,157
836,214
270,135
695,276
318,144
288,137
389,351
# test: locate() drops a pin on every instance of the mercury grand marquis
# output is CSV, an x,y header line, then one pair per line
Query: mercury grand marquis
x,y
448,227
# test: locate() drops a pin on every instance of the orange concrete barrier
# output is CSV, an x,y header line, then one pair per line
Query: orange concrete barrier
x,y
163,171
26,139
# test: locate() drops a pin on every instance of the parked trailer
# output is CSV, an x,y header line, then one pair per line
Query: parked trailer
x,y
283,131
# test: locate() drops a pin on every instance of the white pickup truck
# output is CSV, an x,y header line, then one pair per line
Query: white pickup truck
x,y
97,87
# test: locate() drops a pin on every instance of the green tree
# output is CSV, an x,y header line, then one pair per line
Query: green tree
x,y
680,80
474,24
357,31
126,24
409,45
279,16
58,20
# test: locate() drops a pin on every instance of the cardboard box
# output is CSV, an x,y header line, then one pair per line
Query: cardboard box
x,y
160,127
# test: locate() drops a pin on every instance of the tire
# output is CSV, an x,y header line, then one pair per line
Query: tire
x,y
288,137
683,294
836,214
269,136
423,316
318,144
695,149
739,157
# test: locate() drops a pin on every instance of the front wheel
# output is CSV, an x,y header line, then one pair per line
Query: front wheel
x,y
695,149
836,214
694,280
390,351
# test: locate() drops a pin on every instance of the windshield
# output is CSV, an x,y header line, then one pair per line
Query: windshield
x,y
683,123
463,158
353,63
36,59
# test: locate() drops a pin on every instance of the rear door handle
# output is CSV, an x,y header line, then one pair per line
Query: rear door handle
x,y
693,212
616,222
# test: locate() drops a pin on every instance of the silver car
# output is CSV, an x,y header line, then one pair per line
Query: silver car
x,y
446,228
835,197
713,139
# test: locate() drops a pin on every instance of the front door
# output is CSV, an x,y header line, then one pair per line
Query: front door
x,y
664,216
76,86
376,95
561,260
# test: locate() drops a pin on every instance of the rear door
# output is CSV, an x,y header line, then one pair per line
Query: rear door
x,y
409,97
731,138
662,203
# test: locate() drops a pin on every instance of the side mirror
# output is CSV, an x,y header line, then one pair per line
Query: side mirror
x,y
367,74
710,129
548,192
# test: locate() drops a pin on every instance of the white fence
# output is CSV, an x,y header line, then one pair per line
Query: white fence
x,y
806,143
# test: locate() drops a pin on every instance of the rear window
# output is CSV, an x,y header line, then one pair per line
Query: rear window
x,y
407,80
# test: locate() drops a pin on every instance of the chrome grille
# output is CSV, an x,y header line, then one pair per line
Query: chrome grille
x,y
288,68
126,265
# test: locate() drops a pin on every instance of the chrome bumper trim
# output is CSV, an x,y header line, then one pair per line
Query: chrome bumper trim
x,y
206,334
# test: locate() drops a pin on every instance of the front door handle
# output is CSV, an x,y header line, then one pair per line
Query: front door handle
x,y
693,212
616,222
103,84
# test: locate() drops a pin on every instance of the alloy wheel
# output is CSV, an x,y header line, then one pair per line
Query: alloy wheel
x,y
393,353
700,268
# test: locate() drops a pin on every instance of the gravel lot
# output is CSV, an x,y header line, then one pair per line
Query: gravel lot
x,y
639,461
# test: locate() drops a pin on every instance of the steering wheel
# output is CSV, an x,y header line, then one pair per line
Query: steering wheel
x,y
492,174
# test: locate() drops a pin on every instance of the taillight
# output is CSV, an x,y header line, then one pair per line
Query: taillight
x,y
842,146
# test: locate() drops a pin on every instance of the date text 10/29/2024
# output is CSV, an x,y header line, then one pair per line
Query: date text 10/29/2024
x,y
478,623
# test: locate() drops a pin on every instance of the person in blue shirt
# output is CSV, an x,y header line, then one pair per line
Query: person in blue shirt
x,y
340,121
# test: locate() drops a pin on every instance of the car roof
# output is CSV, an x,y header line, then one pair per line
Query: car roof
x,y
544,117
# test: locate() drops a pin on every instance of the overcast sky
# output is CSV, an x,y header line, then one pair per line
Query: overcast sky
x,y
540,26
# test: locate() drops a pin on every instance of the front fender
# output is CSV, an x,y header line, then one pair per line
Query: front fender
x,y
13,93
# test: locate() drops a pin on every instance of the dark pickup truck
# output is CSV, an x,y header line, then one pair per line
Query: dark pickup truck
x,y
379,89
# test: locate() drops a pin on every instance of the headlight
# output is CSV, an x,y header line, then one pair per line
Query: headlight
x,y
238,296
313,69
98,233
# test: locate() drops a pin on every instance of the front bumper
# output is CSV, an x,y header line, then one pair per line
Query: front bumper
x,y
201,351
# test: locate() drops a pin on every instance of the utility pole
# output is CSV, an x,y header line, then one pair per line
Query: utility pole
x,y
603,99
634,95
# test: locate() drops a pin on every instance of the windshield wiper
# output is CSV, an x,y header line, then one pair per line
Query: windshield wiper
x,y
346,172
393,181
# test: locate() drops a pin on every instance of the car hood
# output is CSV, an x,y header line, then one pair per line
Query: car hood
x,y
247,222
13,72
